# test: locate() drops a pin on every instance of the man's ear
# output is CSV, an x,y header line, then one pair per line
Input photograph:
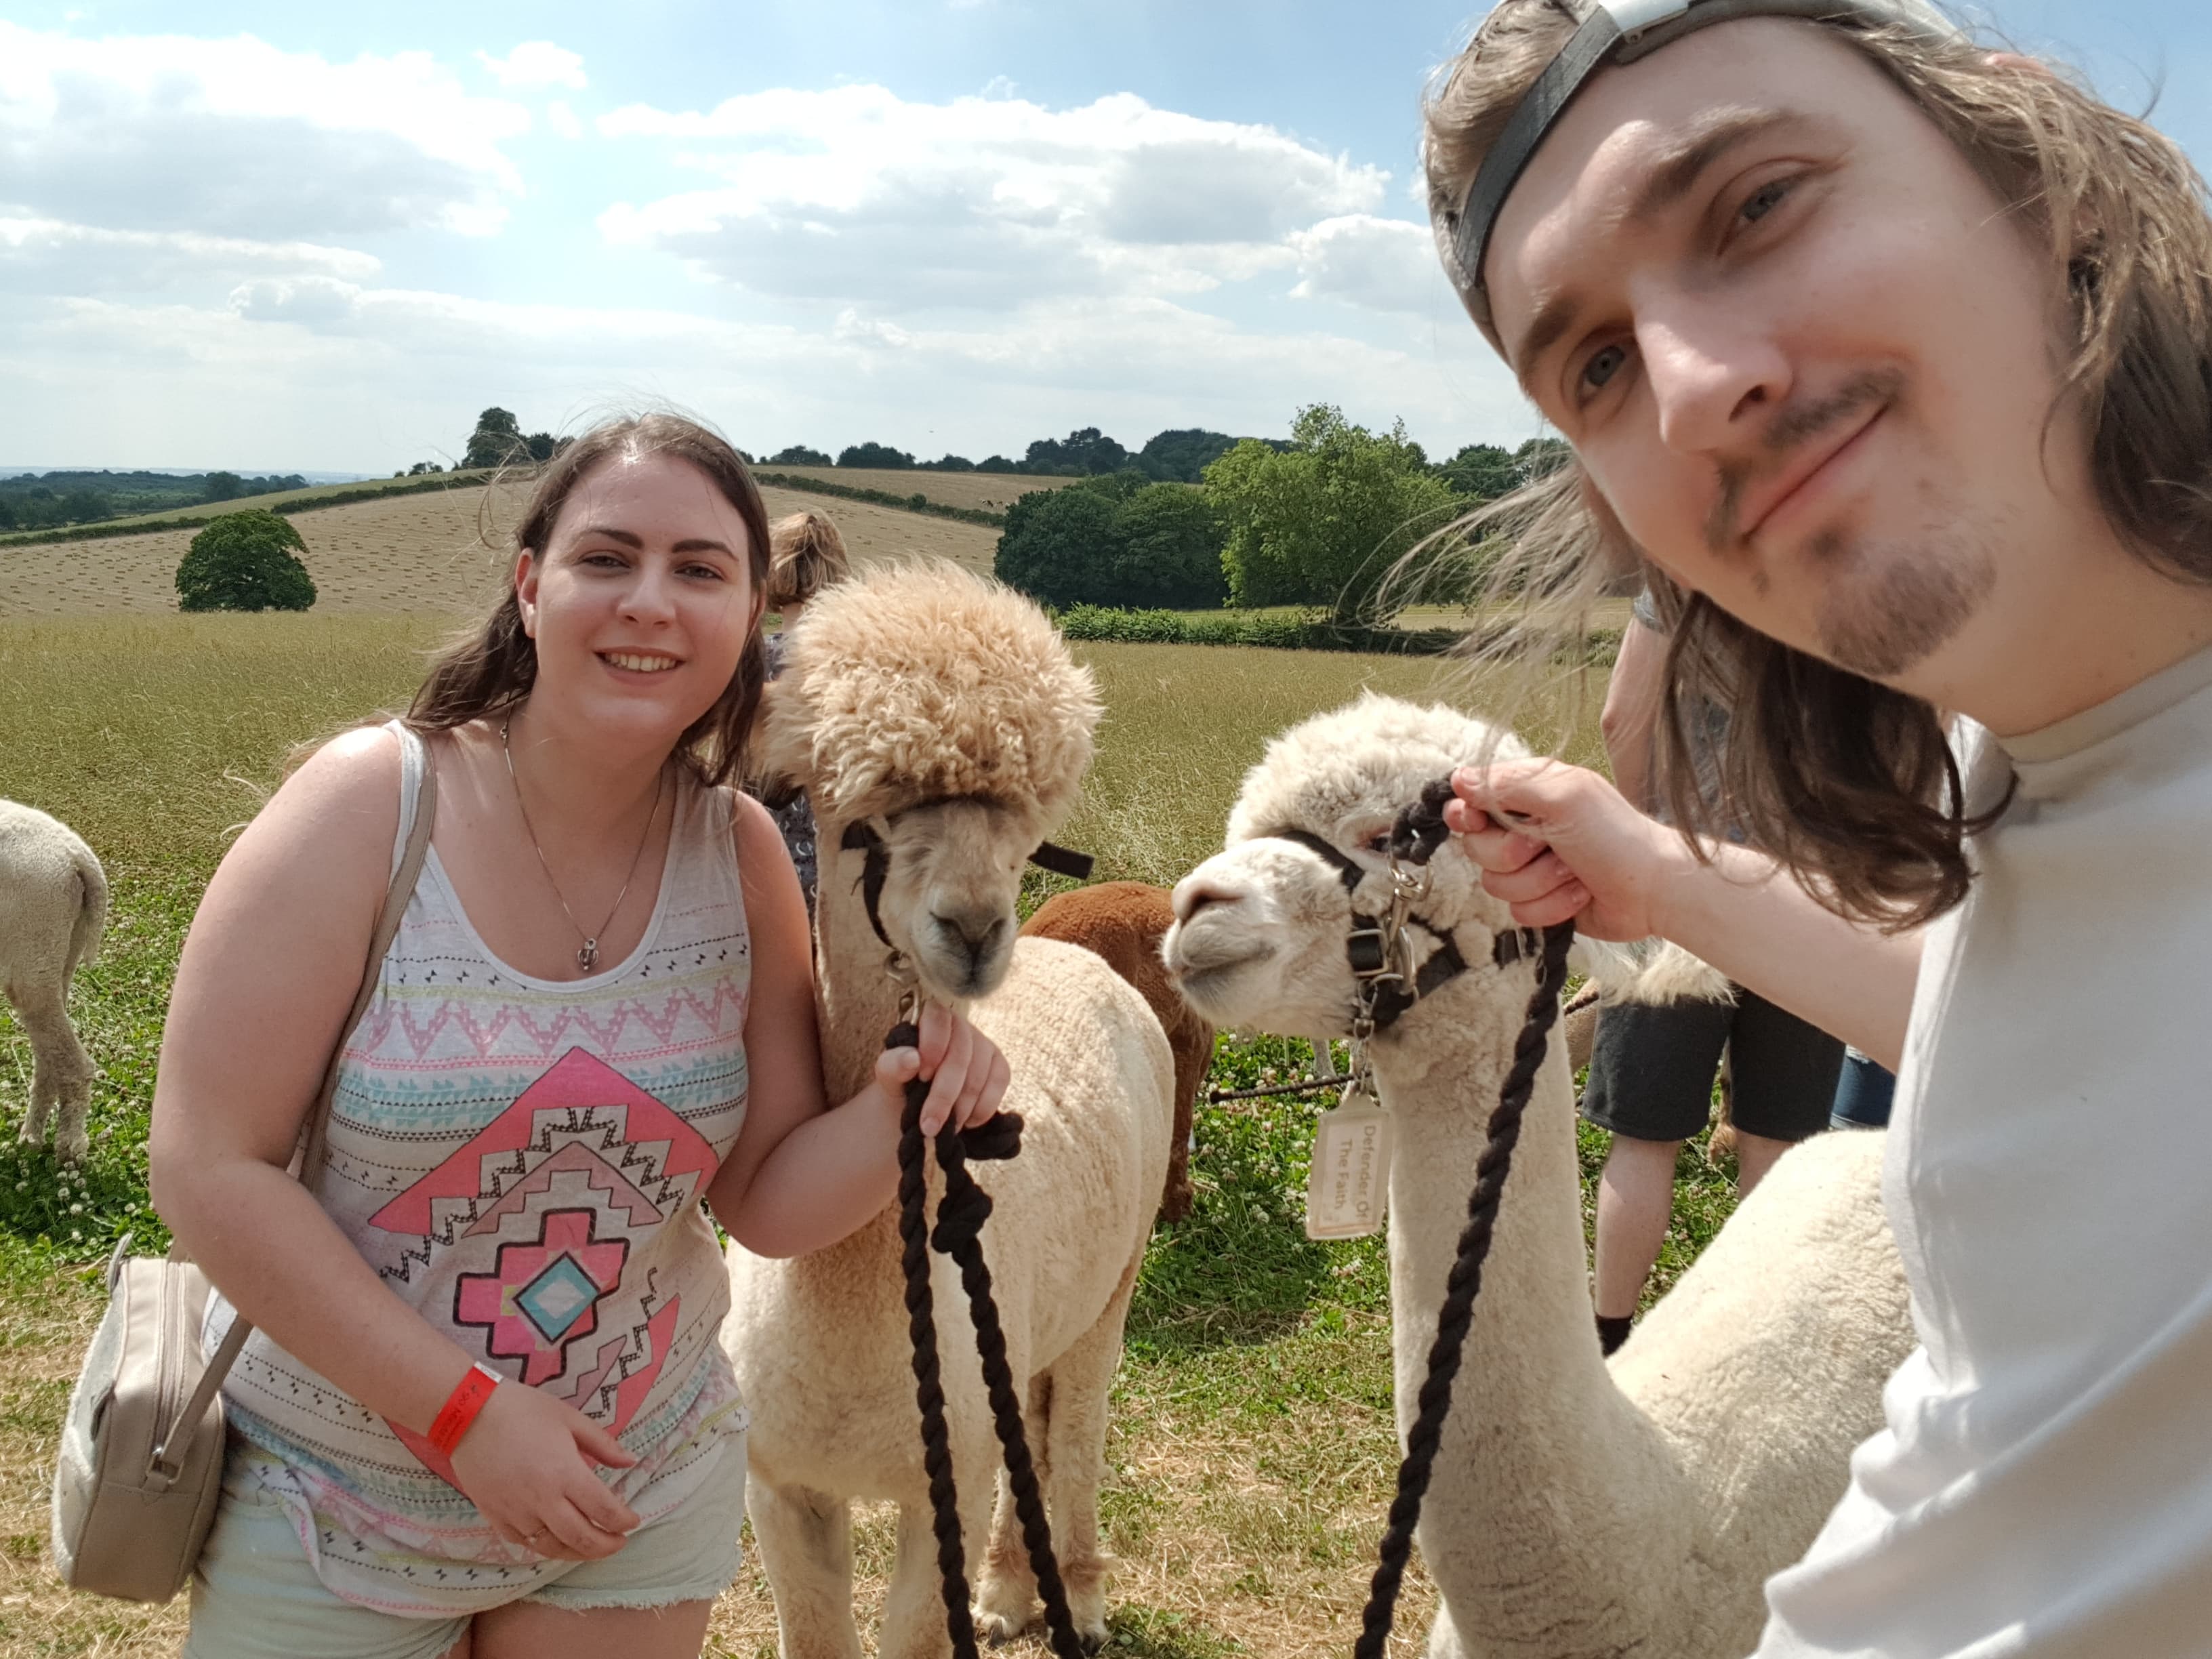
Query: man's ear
x,y
525,589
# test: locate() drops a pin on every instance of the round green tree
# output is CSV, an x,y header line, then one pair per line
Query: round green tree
x,y
1061,545
246,562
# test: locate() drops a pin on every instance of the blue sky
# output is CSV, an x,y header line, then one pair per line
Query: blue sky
x,y
322,238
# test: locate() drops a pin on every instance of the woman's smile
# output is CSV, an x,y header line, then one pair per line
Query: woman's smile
x,y
640,662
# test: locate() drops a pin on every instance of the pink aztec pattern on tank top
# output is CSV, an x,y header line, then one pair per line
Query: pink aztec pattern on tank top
x,y
522,1161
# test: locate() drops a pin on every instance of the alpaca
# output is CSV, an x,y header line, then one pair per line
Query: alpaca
x,y
943,714
1580,1507
53,906
1125,921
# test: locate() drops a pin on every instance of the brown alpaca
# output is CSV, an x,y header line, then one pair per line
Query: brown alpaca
x,y
1124,921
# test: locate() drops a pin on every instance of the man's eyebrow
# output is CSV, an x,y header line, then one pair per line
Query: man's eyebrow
x,y
1670,176
1675,171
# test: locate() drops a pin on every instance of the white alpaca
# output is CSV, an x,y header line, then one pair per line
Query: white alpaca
x,y
53,905
1578,1509
945,713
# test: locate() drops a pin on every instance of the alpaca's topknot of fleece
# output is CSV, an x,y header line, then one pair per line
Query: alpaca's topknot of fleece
x,y
1375,753
913,682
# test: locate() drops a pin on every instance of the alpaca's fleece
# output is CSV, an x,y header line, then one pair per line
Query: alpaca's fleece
x,y
1326,770
914,681
1653,971
1323,773
53,905
1123,922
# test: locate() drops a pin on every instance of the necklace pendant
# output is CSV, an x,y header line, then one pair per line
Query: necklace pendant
x,y
588,955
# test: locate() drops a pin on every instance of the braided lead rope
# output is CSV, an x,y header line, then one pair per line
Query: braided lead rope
x,y
1419,831
959,1226
958,1232
921,1331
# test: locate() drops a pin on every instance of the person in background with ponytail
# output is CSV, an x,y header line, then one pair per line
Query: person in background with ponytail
x,y
806,556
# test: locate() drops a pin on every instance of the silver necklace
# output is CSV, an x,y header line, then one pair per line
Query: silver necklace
x,y
587,954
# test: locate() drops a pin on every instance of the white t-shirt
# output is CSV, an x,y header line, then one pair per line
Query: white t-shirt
x,y
2043,1487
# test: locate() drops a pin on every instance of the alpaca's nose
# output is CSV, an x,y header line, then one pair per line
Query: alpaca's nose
x,y
974,931
1198,889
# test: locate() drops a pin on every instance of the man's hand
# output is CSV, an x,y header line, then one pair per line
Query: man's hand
x,y
1556,842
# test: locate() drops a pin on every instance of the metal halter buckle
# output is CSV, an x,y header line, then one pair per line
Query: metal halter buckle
x,y
903,975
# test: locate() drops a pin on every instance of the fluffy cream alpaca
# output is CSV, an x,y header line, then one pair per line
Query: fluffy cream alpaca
x,y
1578,1510
53,904
945,711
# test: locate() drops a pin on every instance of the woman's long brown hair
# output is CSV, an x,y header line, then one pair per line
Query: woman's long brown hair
x,y
491,669
1847,781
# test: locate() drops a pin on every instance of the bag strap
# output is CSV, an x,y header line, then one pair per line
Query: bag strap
x,y
317,1149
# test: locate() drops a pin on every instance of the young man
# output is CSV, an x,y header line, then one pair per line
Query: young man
x,y
1891,361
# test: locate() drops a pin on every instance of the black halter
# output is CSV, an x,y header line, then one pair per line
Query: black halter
x,y
860,836
1366,949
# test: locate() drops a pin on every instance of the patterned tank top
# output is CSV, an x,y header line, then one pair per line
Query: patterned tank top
x,y
523,1160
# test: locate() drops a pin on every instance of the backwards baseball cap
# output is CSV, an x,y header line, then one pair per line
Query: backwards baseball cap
x,y
1620,31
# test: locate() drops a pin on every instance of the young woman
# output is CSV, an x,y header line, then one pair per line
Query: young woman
x,y
599,1012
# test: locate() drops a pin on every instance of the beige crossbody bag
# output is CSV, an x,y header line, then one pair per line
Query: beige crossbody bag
x,y
140,1469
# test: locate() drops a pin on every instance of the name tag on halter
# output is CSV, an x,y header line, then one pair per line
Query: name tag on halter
x,y
1349,1184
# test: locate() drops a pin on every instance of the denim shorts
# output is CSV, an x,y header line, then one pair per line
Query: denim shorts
x,y
255,1594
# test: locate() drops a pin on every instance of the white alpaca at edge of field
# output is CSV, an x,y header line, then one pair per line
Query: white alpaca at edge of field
x,y
1580,1507
53,906
944,712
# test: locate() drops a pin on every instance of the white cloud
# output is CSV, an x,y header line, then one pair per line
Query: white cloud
x,y
316,302
175,385
49,256
238,138
537,63
1383,264
855,194
962,276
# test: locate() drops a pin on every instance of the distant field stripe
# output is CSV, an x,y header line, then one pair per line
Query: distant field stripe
x,y
287,501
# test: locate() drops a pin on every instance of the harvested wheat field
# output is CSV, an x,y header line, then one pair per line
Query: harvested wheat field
x,y
404,554
993,491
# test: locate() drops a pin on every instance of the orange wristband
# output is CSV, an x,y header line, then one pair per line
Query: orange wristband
x,y
462,1405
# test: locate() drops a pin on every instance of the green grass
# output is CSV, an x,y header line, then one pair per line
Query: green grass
x,y
1252,1448
154,738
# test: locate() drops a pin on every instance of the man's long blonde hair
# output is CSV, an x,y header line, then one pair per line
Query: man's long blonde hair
x,y
1847,781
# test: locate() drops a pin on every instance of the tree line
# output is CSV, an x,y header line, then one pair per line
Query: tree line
x,y
48,501
1320,522
1179,456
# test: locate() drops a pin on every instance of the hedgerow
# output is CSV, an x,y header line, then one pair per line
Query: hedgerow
x,y
916,502
94,532
1277,630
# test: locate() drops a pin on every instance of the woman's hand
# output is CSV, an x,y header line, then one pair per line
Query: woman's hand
x,y
1556,841
526,1463
967,1074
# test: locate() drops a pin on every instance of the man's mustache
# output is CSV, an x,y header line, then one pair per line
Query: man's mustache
x,y
1796,425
